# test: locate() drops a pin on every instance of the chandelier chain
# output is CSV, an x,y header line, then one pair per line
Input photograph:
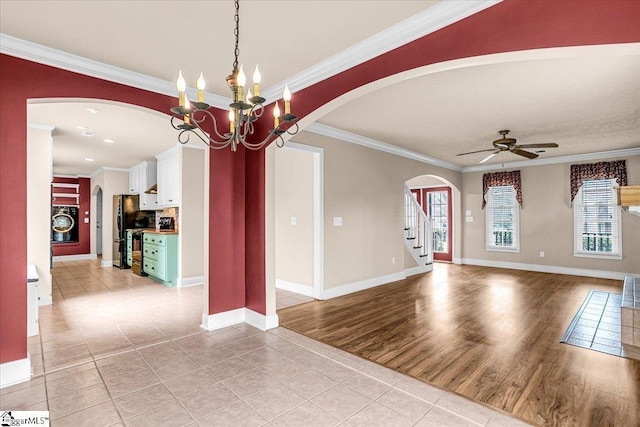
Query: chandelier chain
x,y
236,33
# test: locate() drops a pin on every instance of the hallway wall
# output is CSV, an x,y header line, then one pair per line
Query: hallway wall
x,y
365,188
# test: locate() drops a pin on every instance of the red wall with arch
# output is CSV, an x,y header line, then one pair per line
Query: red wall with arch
x,y
237,259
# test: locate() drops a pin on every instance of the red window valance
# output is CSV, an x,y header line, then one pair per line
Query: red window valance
x,y
602,170
497,179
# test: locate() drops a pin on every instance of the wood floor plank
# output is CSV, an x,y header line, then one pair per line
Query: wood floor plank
x,y
491,335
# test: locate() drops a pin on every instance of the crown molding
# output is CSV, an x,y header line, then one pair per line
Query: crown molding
x,y
554,160
419,25
67,61
426,22
106,168
40,126
353,138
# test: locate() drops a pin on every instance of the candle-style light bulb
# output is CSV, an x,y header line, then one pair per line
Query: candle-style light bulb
x,y
286,95
257,78
249,96
231,120
276,115
242,78
187,105
200,85
181,85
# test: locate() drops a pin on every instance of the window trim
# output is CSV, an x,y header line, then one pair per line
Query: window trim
x,y
489,222
618,226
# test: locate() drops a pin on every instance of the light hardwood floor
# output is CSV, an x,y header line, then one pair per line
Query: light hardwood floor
x,y
488,334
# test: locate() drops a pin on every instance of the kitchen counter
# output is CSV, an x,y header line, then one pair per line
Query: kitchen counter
x,y
153,230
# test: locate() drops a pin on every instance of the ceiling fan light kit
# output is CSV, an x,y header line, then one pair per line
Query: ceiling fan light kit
x,y
509,144
244,111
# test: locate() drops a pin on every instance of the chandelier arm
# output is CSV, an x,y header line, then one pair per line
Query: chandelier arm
x,y
211,143
196,121
288,130
256,110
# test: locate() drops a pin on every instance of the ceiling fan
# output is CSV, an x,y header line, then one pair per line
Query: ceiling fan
x,y
509,144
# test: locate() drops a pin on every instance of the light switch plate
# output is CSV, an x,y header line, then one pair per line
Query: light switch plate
x,y
294,220
337,221
469,219
468,213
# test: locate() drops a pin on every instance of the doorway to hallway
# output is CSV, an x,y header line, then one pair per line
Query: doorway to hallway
x,y
436,203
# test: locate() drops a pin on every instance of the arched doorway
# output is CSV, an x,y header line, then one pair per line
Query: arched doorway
x,y
441,202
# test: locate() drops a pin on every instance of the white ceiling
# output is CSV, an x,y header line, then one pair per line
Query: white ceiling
x,y
586,103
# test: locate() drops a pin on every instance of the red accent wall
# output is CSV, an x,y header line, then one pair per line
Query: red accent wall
x,y
508,26
226,230
83,246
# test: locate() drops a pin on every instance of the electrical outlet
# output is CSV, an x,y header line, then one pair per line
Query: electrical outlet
x,y
337,221
541,254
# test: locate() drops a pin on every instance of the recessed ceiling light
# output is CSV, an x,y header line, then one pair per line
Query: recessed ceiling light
x,y
87,133
88,160
82,128
93,110
108,141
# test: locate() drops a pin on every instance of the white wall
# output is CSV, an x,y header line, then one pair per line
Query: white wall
x,y
112,182
39,177
192,211
294,172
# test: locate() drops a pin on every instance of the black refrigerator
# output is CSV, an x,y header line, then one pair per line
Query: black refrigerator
x,y
127,216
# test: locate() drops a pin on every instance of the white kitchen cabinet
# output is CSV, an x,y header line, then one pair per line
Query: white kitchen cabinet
x,y
141,178
134,180
168,178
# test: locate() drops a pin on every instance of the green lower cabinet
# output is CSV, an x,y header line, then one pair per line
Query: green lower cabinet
x,y
129,248
160,257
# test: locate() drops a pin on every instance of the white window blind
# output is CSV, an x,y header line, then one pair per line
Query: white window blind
x,y
597,219
502,215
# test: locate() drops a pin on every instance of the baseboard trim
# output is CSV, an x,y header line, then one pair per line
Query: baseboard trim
x,y
361,285
221,320
600,274
297,288
106,264
416,270
78,257
215,321
190,281
260,321
15,372
457,261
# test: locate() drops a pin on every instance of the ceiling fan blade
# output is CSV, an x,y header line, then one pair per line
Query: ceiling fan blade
x,y
473,152
490,156
547,145
523,153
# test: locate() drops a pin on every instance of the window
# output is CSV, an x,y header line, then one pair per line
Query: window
x,y
597,220
502,215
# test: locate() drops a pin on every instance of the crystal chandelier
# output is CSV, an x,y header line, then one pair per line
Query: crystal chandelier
x,y
244,111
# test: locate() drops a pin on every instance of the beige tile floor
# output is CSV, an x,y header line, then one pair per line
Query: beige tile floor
x,y
117,349
288,299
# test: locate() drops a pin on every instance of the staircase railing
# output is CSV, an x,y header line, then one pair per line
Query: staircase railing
x,y
418,228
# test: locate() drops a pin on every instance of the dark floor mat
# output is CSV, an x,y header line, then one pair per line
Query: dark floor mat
x,y
596,325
